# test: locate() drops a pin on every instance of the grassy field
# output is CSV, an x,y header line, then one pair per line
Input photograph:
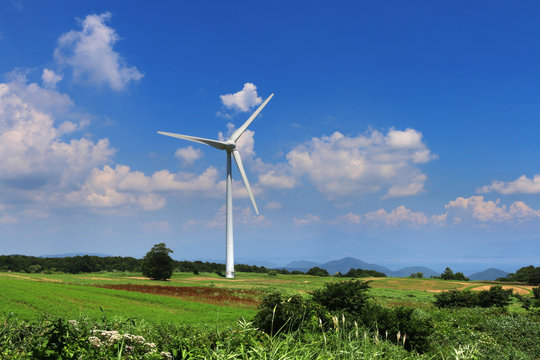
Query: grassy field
x,y
204,299
124,316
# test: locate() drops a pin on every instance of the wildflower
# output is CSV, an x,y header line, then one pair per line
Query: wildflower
x,y
94,341
166,355
73,323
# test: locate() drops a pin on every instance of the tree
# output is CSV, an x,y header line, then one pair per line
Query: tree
x,y
317,271
157,264
448,274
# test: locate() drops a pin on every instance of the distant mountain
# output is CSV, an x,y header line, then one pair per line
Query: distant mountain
x,y
406,271
348,263
302,265
489,274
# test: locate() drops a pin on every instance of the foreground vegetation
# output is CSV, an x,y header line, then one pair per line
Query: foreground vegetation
x,y
121,315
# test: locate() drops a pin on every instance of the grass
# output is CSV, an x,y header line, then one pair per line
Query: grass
x,y
31,299
30,295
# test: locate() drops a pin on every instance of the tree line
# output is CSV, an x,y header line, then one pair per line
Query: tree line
x,y
91,263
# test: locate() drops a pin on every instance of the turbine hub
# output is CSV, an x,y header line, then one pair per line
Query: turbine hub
x,y
230,145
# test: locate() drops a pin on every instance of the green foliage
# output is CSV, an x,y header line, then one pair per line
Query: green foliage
x,y
360,273
536,292
528,274
448,274
492,332
273,273
317,271
157,263
279,314
348,296
495,296
418,275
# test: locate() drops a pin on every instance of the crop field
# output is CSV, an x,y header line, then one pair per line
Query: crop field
x,y
203,299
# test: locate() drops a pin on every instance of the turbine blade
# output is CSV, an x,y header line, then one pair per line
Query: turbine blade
x,y
238,160
243,128
214,143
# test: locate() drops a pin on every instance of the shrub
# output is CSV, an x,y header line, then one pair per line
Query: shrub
x,y
317,271
348,296
536,292
455,298
278,314
495,296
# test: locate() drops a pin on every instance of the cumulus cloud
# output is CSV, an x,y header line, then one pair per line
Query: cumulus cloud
x,y
120,187
475,208
50,78
188,155
307,220
242,216
398,216
340,165
32,152
278,181
242,100
90,54
522,185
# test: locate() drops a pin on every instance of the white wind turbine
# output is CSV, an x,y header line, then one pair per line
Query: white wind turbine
x,y
230,147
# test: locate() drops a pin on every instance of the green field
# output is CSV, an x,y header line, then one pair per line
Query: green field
x,y
96,315
32,295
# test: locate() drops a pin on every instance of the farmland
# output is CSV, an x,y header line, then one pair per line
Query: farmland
x,y
209,305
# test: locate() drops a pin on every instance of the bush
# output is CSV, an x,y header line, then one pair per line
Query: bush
x,y
317,271
455,298
495,296
536,292
348,296
278,314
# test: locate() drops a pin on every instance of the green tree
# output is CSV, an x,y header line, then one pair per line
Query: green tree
x,y
317,271
157,264
448,274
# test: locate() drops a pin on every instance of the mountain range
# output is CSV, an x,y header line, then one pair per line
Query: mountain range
x,y
347,263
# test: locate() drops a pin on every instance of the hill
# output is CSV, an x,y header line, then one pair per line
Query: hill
x,y
489,274
406,271
347,263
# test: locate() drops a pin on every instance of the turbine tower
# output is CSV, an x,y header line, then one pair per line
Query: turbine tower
x,y
230,147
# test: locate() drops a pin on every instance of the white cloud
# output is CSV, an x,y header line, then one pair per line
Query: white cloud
x,y
416,186
188,155
522,185
475,208
32,152
91,55
274,205
50,78
120,187
273,180
307,220
349,218
340,165
242,100
398,216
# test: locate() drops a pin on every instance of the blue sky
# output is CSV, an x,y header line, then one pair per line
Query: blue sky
x,y
403,133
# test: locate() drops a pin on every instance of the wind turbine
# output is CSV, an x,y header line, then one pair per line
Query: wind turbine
x,y
230,147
